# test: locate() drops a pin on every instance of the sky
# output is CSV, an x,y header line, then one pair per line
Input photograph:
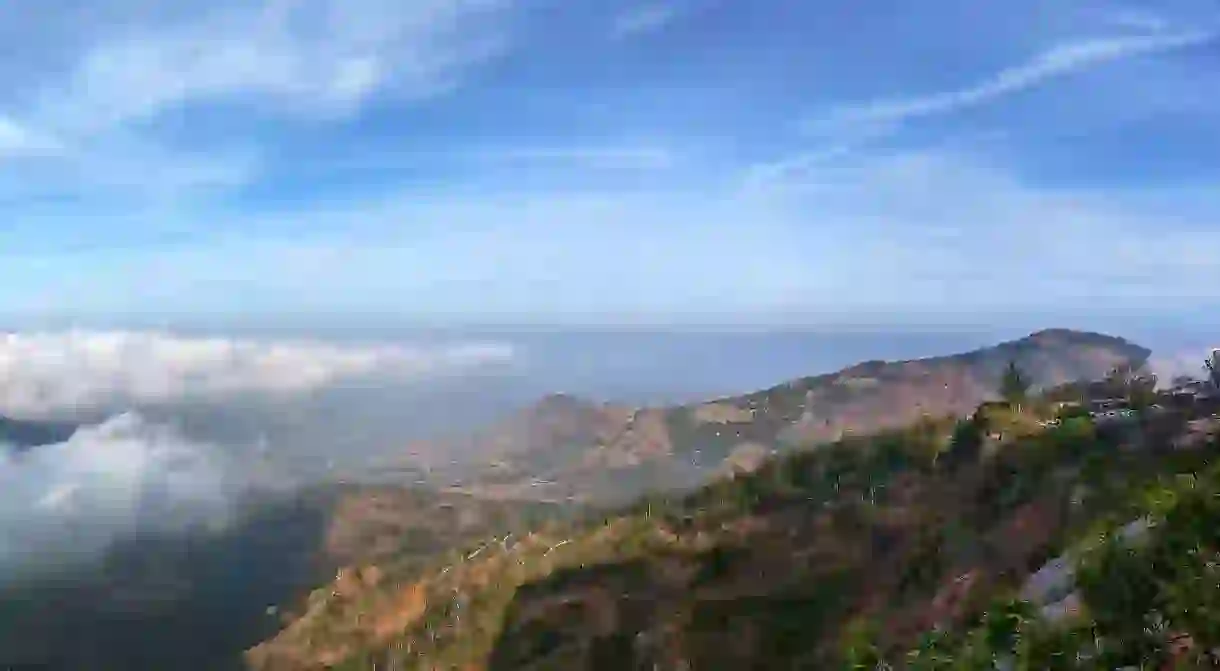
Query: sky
x,y
596,162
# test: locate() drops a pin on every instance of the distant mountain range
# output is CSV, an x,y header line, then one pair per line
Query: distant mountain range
x,y
569,448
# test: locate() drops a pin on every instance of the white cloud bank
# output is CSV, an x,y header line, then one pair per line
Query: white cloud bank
x,y
65,504
44,374
61,504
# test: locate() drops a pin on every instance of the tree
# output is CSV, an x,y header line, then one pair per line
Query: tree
x,y
1124,597
935,652
923,442
1002,624
1054,647
966,442
1014,386
1183,549
859,647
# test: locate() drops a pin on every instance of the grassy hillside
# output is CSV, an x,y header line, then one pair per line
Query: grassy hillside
x,y
816,560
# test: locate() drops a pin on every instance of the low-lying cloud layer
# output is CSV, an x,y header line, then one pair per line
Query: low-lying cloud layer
x,y
44,374
65,503
194,425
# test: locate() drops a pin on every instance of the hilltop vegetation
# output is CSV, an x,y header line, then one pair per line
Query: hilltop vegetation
x,y
835,556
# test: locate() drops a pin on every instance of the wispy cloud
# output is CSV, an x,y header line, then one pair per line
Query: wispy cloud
x,y
597,157
92,127
1136,19
885,115
18,141
643,19
767,174
125,169
909,232
313,56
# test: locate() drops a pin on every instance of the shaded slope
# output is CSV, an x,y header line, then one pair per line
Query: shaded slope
x,y
190,601
197,600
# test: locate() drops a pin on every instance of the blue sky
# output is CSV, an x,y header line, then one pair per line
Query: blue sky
x,y
587,161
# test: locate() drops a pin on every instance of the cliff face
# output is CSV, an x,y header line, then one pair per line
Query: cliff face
x,y
569,448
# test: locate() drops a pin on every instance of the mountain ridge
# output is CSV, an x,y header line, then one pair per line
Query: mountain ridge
x,y
581,449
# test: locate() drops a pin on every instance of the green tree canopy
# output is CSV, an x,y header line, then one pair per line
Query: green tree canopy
x,y
859,649
1014,386
966,441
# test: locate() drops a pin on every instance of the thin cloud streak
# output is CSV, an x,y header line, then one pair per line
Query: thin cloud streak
x,y
643,20
17,140
1137,19
641,157
1057,62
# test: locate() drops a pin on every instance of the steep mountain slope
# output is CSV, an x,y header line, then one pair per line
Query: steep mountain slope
x,y
198,599
566,448
187,601
887,535
880,539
